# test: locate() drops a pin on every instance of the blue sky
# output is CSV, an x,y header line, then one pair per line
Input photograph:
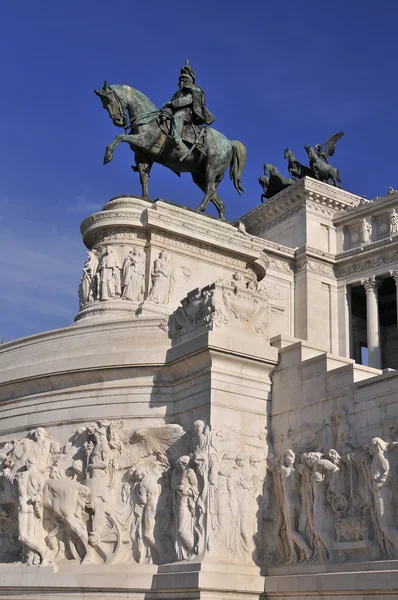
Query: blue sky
x,y
276,74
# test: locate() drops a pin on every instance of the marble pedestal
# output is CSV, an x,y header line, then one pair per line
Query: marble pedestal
x,y
142,447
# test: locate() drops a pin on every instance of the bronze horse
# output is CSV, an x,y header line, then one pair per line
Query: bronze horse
x,y
150,144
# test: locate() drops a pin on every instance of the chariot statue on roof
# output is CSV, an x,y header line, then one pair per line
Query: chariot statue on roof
x,y
329,147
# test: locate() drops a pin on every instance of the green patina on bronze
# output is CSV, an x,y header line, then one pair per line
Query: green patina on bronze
x,y
319,168
177,136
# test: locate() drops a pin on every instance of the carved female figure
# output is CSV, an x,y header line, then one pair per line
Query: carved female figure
x,y
241,487
133,277
161,279
366,229
292,509
85,288
382,491
220,501
184,485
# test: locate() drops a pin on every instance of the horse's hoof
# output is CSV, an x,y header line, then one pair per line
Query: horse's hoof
x,y
201,209
108,157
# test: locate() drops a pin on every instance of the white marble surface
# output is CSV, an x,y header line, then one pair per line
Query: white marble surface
x,y
200,429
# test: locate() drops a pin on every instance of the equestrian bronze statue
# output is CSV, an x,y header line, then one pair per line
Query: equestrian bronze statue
x,y
178,136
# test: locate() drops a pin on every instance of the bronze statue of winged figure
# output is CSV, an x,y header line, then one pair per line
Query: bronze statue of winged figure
x,y
329,147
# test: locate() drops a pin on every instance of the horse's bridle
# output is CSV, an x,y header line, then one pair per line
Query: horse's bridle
x,y
121,110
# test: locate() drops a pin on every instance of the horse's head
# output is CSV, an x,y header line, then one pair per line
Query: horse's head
x,y
308,149
113,104
287,153
266,168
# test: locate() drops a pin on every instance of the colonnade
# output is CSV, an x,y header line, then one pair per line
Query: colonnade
x,y
371,285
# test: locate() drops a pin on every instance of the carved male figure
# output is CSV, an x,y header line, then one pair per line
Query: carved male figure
x,y
29,462
145,494
383,493
98,457
109,275
393,221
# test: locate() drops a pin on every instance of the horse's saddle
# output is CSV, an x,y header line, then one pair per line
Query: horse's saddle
x,y
192,134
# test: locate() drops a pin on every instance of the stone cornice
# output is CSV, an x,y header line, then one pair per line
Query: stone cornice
x,y
387,244
367,208
314,252
368,263
137,215
273,247
371,256
320,196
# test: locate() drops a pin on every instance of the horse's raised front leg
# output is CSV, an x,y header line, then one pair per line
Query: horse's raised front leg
x,y
144,168
112,146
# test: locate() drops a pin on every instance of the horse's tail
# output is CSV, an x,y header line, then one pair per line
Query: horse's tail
x,y
338,176
237,164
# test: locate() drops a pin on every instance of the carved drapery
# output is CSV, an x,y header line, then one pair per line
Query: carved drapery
x,y
161,494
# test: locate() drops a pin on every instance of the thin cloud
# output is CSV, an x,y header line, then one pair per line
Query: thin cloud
x,y
39,276
83,205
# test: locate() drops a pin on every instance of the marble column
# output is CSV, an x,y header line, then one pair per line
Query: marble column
x,y
348,304
394,275
372,321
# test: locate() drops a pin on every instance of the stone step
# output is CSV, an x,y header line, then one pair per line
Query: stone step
x,y
351,373
322,363
293,351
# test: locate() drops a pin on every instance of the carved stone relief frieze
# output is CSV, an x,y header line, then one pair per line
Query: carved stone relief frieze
x,y
113,272
370,264
161,494
197,249
341,504
238,465
118,272
109,495
316,266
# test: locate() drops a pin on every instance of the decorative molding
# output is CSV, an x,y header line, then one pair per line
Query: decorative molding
x,y
368,264
114,234
189,247
280,248
321,208
113,308
309,250
315,266
281,265
371,284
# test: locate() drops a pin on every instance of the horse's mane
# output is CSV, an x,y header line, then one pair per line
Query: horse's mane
x,y
135,96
